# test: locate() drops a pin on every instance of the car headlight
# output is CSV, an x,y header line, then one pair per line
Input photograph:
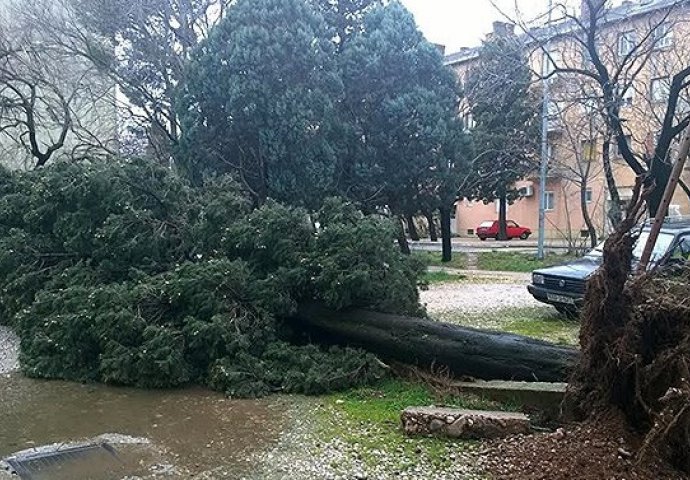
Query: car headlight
x,y
537,279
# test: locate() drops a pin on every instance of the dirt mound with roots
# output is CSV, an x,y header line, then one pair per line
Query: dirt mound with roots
x,y
635,341
630,393
600,448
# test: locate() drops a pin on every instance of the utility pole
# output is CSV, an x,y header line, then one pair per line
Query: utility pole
x,y
544,144
670,189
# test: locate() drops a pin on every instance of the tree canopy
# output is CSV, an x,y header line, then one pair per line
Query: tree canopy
x,y
505,111
260,102
400,99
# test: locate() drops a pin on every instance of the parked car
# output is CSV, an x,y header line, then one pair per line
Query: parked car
x,y
489,229
563,286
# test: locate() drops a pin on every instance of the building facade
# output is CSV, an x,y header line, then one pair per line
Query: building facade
x,y
646,40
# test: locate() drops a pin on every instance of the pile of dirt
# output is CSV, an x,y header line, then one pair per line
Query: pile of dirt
x,y
601,449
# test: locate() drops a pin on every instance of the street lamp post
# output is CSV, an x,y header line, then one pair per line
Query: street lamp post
x,y
544,146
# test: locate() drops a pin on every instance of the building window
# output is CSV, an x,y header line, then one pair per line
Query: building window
x,y
662,36
553,120
551,152
626,42
549,201
553,59
660,89
588,195
615,150
589,150
625,98
468,122
590,105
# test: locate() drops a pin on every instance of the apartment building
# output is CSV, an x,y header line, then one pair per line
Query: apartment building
x,y
650,39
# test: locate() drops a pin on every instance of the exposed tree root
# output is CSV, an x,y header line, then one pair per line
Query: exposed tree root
x,y
635,341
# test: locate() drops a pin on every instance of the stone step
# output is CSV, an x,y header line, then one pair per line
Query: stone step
x,y
464,424
543,396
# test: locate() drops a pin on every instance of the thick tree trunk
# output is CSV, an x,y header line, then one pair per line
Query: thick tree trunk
x,y
423,342
433,234
412,228
660,172
446,245
615,213
593,240
402,239
502,216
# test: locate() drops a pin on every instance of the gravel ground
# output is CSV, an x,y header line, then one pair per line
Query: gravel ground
x,y
472,297
305,453
9,350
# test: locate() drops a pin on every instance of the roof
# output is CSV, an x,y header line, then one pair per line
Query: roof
x,y
628,10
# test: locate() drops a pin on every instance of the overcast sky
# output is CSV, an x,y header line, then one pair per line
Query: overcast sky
x,y
464,23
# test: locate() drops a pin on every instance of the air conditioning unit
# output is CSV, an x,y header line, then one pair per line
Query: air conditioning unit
x,y
527,191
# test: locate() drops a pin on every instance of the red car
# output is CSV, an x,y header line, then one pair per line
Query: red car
x,y
490,230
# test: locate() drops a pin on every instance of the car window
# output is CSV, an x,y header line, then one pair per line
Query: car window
x,y
660,249
512,224
681,252
486,224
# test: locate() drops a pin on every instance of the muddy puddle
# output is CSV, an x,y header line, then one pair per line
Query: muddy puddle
x,y
191,433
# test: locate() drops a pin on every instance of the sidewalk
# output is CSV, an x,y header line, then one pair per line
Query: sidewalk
x,y
474,244
473,274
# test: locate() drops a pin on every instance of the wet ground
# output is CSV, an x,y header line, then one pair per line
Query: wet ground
x,y
191,433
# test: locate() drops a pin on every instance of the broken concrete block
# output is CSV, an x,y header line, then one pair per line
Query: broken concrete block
x,y
466,424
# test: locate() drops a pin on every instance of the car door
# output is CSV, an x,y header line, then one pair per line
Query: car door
x,y
513,229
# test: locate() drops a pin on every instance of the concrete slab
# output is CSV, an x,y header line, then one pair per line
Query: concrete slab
x,y
465,424
535,395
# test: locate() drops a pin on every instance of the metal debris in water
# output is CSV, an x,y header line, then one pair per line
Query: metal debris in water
x,y
95,460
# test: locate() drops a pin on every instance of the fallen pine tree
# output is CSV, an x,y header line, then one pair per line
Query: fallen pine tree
x,y
465,351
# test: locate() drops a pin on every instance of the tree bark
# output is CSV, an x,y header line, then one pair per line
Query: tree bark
x,y
433,234
502,216
446,245
586,216
614,212
402,239
412,228
465,351
660,173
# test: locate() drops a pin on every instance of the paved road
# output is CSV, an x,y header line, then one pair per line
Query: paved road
x,y
469,245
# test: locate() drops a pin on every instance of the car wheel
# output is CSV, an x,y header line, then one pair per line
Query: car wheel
x,y
568,311
483,239
524,236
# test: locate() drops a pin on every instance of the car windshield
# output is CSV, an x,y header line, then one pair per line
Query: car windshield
x,y
597,251
486,224
662,245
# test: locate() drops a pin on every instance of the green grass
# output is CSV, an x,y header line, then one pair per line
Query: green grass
x,y
517,261
543,323
368,419
442,277
459,260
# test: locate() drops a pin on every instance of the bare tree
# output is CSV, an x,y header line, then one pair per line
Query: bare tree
x,y
49,104
614,59
142,47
